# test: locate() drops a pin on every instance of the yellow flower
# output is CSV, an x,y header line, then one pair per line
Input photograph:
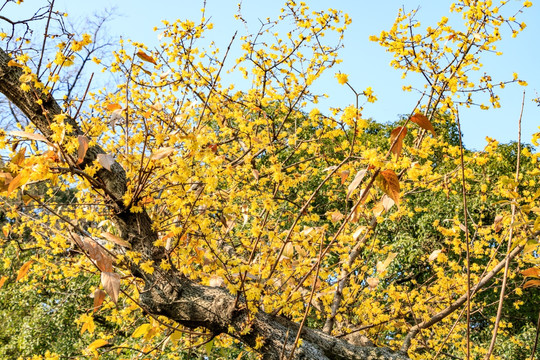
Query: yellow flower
x,y
342,78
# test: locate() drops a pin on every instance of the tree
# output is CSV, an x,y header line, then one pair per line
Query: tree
x,y
245,219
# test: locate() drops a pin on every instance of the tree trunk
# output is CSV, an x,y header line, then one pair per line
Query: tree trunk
x,y
166,292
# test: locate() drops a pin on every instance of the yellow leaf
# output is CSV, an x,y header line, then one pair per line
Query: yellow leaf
x,y
97,344
141,330
146,57
3,280
14,63
15,183
24,269
112,107
422,121
19,157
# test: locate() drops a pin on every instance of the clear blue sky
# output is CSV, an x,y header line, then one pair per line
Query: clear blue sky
x,y
366,62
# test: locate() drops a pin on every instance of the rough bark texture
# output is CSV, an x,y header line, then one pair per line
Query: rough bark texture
x,y
167,293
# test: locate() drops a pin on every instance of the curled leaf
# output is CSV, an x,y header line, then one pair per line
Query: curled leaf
x,y
3,280
531,283
113,107
97,344
357,180
141,330
98,254
15,183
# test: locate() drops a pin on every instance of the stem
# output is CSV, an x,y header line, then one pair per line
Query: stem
x,y
509,246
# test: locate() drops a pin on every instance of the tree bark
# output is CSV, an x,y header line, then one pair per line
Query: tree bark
x,y
168,293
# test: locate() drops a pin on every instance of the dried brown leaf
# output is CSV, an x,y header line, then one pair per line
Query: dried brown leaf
x,y
115,239
422,121
111,284
83,147
99,296
105,160
532,272
389,183
28,135
372,282
144,56
531,283
356,181
398,134
162,153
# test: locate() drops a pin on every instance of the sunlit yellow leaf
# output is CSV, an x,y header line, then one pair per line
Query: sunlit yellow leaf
x,y
141,330
531,272
3,280
24,270
141,54
97,344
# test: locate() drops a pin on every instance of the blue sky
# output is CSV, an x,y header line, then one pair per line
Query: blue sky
x,y
366,63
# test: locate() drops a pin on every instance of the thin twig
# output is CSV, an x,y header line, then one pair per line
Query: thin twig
x,y
308,306
468,259
509,246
